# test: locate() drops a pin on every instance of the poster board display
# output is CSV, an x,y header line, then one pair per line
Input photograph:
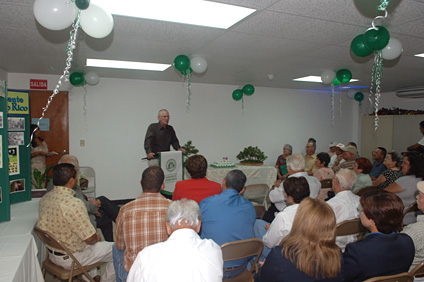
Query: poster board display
x,y
4,159
172,166
18,153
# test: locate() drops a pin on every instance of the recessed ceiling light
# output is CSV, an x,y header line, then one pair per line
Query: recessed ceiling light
x,y
195,12
126,65
419,55
314,78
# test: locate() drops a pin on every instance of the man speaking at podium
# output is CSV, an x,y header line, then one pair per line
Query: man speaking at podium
x,y
159,137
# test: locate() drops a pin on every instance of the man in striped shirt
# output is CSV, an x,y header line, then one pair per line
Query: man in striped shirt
x,y
140,223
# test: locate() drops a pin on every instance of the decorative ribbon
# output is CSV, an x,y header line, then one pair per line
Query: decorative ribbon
x,y
376,80
340,105
84,107
332,104
65,75
188,91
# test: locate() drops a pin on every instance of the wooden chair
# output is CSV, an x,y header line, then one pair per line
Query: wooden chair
x,y
65,274
243,249
256,193
412,208
326,183
260,210
418,271
401,277
350,227
366,189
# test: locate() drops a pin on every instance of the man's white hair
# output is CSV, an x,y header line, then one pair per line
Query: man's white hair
x,y
183,210
162,110
296,162
346,178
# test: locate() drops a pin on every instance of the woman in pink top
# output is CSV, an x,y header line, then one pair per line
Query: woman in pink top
x,y
323,171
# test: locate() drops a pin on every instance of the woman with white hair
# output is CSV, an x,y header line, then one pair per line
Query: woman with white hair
x,y
281,165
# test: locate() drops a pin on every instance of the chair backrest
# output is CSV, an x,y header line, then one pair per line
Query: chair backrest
x,y
260,210
401,277
90,174
242,249
350,227
418,271
366,189
326,183
412,208
255,191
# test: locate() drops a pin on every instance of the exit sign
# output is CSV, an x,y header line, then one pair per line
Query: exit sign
x,y
38,84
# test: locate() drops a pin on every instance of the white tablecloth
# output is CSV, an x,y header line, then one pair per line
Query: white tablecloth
x,y
255,174
19,260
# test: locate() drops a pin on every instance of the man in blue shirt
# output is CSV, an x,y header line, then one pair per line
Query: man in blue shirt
x,y
229,217
377,166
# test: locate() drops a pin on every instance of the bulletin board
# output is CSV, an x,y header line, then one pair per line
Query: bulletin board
x,y
18,151
4,160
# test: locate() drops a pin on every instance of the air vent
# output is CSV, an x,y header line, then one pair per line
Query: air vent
x,y
416,92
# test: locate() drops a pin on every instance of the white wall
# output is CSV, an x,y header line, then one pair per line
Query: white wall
x,y
119,112
3,74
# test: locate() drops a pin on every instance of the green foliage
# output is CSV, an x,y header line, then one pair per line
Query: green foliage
x,y
251,155
39,178
190,149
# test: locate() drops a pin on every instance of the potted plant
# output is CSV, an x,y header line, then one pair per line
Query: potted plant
x,y
39,181
190,149
251,156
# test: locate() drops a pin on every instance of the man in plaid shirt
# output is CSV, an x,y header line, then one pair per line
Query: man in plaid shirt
x,y
140,223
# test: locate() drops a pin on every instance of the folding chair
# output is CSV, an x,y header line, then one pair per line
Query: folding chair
x,y
418,271
65,274
366,189
239,250
256,193
260,210
350,227
412,208
401,277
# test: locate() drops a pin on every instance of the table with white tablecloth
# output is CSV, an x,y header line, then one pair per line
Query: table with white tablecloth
x,y
254,174
20,257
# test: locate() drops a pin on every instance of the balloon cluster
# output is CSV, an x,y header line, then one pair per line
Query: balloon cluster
x,y
60,14
248,90
376,39
186,66
79,78
331,77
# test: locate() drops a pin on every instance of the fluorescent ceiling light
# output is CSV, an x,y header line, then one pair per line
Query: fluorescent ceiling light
x,y
195,12
314,78
419,55
126,65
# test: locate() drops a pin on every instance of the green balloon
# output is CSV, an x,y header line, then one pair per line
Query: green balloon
x,y
376,39
181,63
358,47
248,89
359,96
77,78
336,81
237,94
82,4
344,75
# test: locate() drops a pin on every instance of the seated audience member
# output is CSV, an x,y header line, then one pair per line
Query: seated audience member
x,y
280,165
362,168
416,230
309,252
383,251
418,147
393,173
344,204
378,165
406,186
310,157
323,171
184,256
229,217
354,145
296,167
296,189
198,187
65,216
335,153
140,223
349,156
101,210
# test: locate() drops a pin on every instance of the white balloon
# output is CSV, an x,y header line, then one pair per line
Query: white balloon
x,y
351,93
392,50
92,78
328,76
96,22
198,64
54,14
